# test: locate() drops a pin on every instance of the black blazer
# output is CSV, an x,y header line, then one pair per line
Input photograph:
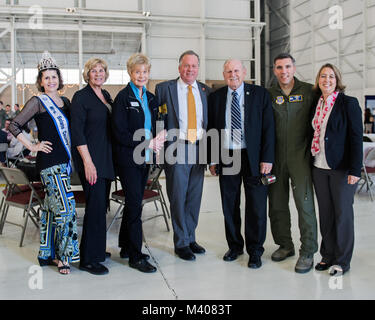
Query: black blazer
x,y
259,123
344,135
90,125
127,118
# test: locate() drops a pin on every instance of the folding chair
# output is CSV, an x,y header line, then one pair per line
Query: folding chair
x,y
79,195
12,161
22,194
153,193
155,185
150,195
367,180
368,169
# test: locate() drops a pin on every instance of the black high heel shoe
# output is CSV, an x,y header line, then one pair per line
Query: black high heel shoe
x,y
322,266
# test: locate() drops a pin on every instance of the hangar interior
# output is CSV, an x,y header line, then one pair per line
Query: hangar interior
x,y
255,31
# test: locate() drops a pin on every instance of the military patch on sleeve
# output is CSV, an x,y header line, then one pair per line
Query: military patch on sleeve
x,y
280,100
298,98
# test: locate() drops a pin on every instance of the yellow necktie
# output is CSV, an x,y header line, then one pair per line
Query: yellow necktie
x,y
192,117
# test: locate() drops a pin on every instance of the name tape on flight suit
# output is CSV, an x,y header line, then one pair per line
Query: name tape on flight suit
x,y
295,98
298,98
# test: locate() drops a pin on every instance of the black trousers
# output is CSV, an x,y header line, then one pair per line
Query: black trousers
x,y
255,209
336,217
93,240
133,182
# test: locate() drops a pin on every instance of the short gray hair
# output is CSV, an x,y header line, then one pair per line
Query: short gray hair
x,y
233,59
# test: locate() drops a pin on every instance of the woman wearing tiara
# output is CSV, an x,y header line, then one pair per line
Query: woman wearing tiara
x,y
58,224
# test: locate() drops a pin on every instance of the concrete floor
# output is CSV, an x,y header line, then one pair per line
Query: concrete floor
x,y
209,277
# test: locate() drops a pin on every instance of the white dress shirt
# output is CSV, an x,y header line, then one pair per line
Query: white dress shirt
x,y
228,143
320,160
182,91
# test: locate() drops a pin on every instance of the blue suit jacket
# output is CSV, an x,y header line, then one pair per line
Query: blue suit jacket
x,y
166,93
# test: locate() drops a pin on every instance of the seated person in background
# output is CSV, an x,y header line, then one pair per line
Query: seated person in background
x,y
368,121
16,147
16,109
3,139
6,130
8,111
2,115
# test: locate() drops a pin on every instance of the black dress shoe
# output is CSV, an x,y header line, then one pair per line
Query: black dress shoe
x,y
232,255
254,262
185,253
124,255
94,268
322,266
196,248
143,266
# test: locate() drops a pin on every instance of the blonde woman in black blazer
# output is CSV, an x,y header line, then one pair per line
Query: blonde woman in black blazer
x,y
91,137
337,154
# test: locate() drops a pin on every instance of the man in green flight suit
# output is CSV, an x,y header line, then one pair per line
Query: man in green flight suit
x,y
291,102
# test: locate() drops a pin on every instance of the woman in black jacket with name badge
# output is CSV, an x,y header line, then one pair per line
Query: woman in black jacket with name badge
x,y
134,110
337,151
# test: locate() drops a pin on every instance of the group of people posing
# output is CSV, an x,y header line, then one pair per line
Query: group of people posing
x,y
303,134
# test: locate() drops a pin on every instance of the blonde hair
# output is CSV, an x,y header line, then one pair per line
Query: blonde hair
x,y
136,59
340,87
91,64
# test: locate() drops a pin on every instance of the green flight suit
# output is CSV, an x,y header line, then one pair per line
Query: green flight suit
x,y
292,161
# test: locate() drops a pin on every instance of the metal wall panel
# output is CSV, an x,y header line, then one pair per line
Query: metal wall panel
x,y
317,38
74,30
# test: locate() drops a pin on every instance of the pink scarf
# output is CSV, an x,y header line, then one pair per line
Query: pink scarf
x,y
321,111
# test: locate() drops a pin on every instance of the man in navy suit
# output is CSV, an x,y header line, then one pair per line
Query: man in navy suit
x,y
183,170
243,113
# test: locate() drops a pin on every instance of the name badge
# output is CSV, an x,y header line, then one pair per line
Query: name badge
x,y
296,98
280,100
134,103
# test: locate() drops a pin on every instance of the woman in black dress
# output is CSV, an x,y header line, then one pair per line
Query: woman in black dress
x,y
90,118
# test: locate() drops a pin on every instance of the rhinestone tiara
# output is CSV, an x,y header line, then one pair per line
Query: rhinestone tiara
x,y
47,62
